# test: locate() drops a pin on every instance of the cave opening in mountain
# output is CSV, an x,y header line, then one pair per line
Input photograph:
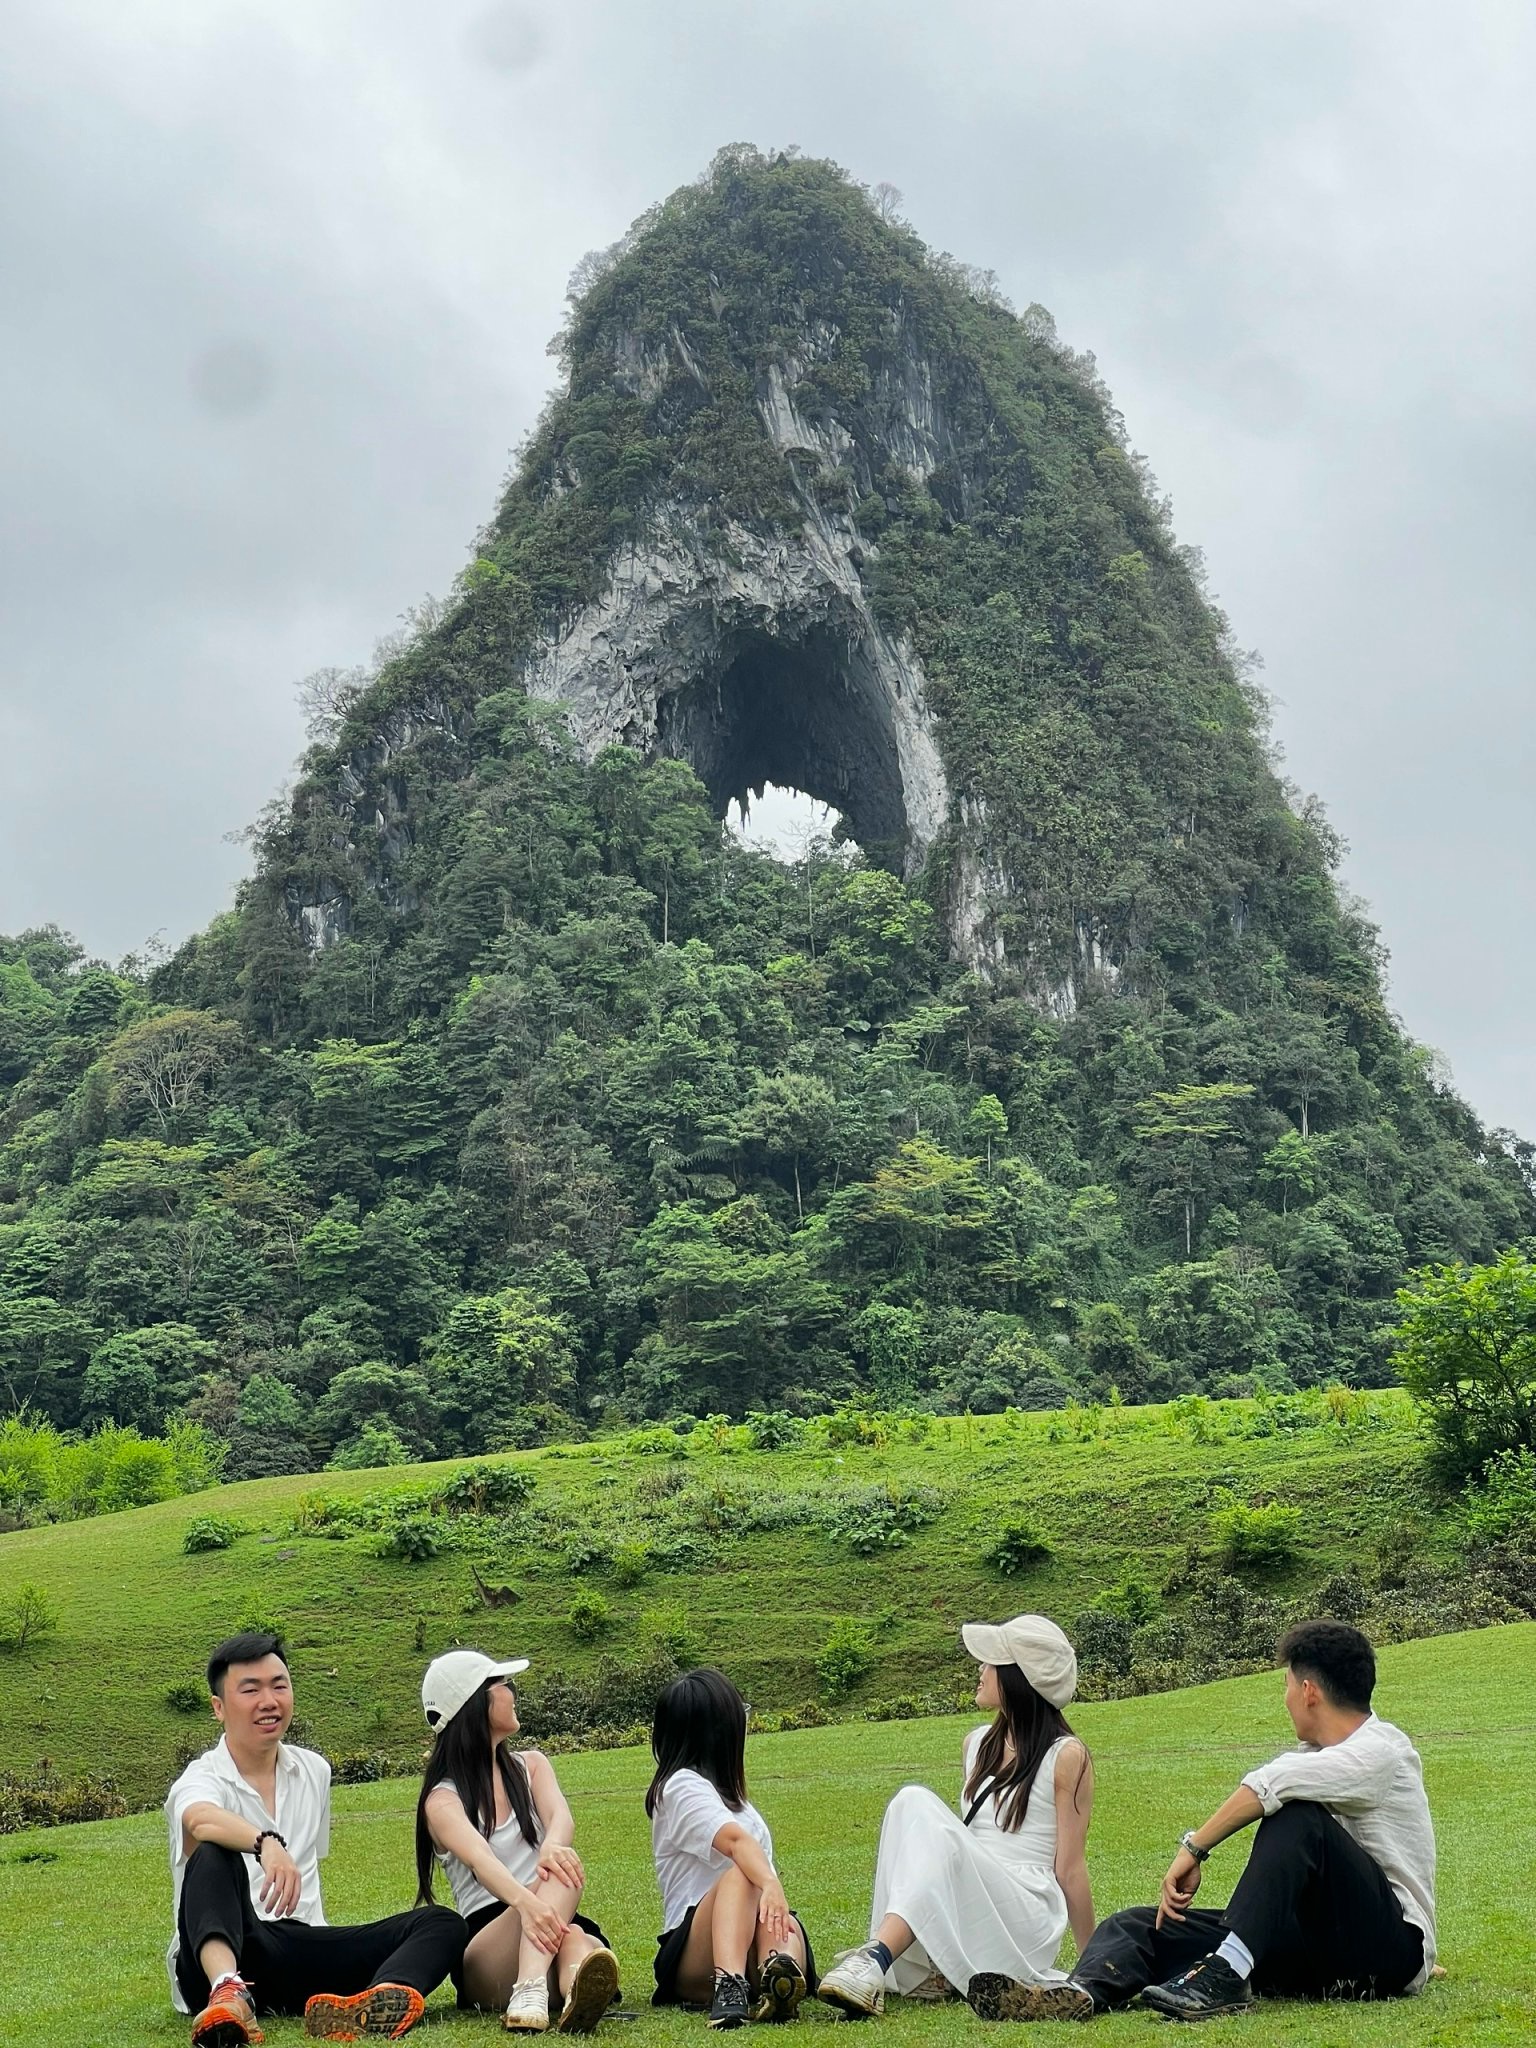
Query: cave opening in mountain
x,y
809,715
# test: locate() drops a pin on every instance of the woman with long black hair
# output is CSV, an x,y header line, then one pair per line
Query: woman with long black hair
x,y
729,1940
965,1903
497,1822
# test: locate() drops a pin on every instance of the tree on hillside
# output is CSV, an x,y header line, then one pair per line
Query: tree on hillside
x,y
165,1061
1181,1127
1466,1350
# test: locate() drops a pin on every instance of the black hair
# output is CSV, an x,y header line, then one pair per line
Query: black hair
x,y
465,1757
248,1648
1030,1724
700,1724
1336,1657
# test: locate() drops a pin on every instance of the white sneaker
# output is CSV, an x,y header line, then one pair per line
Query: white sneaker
x,y
528,2008
855,1983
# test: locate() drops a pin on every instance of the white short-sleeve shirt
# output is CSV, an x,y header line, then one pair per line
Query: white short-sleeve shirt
x,y
303,1819
689,1814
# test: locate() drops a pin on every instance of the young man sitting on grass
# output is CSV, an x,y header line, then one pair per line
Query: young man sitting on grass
x,y
1338,1897
250,1820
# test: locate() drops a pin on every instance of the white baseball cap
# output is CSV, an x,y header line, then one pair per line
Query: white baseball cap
x,y
458,1676
1032,1642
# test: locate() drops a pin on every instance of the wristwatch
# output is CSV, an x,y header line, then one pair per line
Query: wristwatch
x,y
1191,1847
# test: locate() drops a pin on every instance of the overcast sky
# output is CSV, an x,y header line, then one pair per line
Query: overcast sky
x,y
279,276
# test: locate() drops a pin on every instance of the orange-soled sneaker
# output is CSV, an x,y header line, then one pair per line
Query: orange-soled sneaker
x,y
228,2020
381,2013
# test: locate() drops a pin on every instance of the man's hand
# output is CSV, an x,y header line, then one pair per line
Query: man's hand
x,y
773,1913
562,1866
542,1924
280,1879
1179,1887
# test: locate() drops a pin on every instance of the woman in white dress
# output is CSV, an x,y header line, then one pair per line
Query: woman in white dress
x,y
729,1940
497,1824
986,1894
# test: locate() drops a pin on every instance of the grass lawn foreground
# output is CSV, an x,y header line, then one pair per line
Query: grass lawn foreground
x,y
84,1910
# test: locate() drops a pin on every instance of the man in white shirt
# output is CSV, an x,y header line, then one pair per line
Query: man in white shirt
x,y
1338,1897
249,1821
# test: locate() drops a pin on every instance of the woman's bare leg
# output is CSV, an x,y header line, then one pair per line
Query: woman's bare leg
x,y
762,1948
533,1961
720,1937
490,1962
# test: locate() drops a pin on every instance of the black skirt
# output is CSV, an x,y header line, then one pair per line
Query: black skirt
x,y
669,1953
484,1915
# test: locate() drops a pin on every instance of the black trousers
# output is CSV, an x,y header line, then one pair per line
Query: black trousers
x,y
1314,1910
287,1962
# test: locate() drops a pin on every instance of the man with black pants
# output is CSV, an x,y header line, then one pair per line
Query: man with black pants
x,y
250,1820
1337,1900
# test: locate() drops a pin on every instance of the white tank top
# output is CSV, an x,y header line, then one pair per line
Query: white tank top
x,y
516,1855
1034,1839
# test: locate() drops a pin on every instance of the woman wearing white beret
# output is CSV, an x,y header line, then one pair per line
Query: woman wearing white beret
x,y
989,1891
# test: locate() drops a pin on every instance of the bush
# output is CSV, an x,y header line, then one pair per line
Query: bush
x,y
1019,1544
41,1799
28,1619
1131,1597
1502,1509
631,1562
875,1518
486,1490
587,1617
184,1697
774,1430
376,1444
669,1629
413,1539
1104,1642
1254,1538
844,1658
614,1696
208,1532
659,1442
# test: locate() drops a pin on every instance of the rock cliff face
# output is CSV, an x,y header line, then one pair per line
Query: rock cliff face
x,y
813,510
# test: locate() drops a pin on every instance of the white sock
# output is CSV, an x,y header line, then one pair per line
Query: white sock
x,y
227,1977
1238,1954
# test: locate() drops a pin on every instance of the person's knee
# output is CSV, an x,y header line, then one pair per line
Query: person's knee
x,y
1298,1820
734,1880
213,1856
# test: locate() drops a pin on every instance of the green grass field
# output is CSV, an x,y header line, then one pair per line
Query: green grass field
x,y
137,1614
85,1909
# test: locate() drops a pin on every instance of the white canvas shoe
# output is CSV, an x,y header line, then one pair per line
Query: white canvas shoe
x,y
856,1984
528,2008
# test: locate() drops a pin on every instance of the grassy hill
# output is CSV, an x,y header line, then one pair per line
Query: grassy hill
x,y
744,1560
1162,1763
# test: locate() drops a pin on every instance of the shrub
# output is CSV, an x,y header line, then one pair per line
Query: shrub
x,y
27,1619
1254,1538
1018,1545
844,1658
615,1695
376,1444
774,1430
208,1532
184,1697
42,1799
1342,1597
875,1518
631,1562
587,1554
587,1617
659,1442
413,1539
365,1767
1104,1642
1465,1348
809,1714
486,1490
1131,1597
669,1629
1502,1508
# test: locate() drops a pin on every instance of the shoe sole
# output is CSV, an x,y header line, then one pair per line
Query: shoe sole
x,y
230,2033
724,2026
846,2003
783,1988
593,1989
992,1997
1209,2012
382,2014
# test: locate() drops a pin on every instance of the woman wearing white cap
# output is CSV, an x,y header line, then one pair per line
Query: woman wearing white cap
x,y
990,1894
498,1823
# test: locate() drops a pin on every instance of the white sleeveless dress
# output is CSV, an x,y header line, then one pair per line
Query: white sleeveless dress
x,y
979,1897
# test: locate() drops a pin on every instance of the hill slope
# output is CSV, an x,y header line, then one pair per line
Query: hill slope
x,y
748,1559
1160,1763
517,1092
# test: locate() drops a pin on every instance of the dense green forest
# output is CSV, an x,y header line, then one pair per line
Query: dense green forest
x,y
588,1110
